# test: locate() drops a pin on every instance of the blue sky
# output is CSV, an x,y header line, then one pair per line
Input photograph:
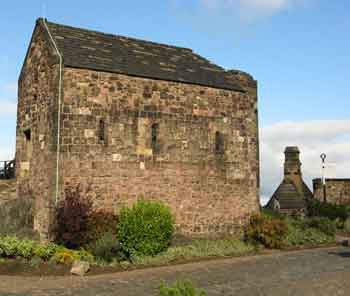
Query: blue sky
x,y
298,50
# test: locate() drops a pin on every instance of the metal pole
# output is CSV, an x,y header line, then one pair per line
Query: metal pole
x,y
323,158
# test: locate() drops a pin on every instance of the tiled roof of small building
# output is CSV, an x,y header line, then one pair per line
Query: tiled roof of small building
x,y
88,49
288,196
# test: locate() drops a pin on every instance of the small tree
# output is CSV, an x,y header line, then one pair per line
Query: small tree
x,y
72,218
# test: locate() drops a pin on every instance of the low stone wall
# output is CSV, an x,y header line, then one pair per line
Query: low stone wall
x,y
337,190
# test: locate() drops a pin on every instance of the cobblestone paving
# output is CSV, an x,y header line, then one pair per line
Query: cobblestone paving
x,y
312,272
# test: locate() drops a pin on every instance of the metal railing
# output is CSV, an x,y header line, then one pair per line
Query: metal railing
x,y
7,169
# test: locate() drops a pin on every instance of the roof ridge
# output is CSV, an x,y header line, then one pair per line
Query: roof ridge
x,y
115,35
94,50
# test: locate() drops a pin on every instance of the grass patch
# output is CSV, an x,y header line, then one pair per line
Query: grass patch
x,y
198,249
299,235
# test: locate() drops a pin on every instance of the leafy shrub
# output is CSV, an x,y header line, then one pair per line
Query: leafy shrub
x,y
315,208
346,227
101,222
270,232
272,214
64,256
9,246
180,288
68,256
72,218
145,229
12,246
77,222
200,248
300,234
45,251
25,248
323,224
106,247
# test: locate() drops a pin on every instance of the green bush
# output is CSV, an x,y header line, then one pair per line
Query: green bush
x,y
301,234
180,288
346,227
106,247
270,232
26,248
272,214
315,208
45,251
9,246
323,224
200,248
64,256
145,229
68,256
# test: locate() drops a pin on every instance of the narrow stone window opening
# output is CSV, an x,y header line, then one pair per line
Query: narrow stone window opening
x,y
36,77
28,135
102,131
27,144
219,144
155,144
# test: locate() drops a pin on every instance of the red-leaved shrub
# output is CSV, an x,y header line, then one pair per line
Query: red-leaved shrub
x,y
72,217
271,232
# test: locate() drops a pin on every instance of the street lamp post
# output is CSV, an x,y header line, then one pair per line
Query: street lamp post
x,y
323,158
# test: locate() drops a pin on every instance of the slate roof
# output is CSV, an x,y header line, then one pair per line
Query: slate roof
x,y
289,197
88,49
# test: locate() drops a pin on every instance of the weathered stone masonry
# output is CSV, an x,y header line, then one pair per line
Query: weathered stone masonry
x,y
337,190
192,146
37,128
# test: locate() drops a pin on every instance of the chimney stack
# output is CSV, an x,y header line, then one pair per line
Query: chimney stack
x,y
292,164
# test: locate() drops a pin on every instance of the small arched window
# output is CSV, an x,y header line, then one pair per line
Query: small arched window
x,y
154,136
101,131
219,144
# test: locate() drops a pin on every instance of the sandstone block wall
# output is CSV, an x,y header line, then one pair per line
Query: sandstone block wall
x,y
36,134
107,124
337,190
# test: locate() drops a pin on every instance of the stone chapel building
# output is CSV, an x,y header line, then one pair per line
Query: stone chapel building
x,y
130,117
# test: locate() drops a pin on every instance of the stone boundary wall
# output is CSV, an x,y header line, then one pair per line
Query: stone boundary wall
x,y
337,190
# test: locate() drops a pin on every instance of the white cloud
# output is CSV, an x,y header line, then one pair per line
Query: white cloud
x,y
313,138
10,88
6,154
249,9
8,95
8,107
